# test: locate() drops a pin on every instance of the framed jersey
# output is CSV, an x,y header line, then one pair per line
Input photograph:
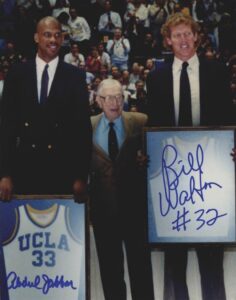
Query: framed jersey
x,y
190,185
43,251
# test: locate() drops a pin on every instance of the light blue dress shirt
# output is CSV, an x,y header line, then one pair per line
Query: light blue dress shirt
x,y
100,136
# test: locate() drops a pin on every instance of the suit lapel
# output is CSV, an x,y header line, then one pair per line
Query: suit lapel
x,y
169,105
203,86
127,121
56,86
31,80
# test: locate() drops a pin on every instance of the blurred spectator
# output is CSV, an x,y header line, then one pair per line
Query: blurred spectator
x,y
150,48
119,49
144,76
125,79
61,6
109,21
104,57
119,6
150,65
95,12
139,98
11,56
134,73
74,57
43,8
141,17
93,62
80,31
89,76
63,18
94,107
114,72
158,14
205,10
170,6
27,4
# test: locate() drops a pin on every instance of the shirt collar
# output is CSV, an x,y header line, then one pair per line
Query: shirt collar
x,y
193,62
41,63
117,122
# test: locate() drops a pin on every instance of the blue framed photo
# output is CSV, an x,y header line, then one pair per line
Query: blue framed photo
x,y
190,185
43,252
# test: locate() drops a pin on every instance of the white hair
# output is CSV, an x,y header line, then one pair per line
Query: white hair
x,y
108,83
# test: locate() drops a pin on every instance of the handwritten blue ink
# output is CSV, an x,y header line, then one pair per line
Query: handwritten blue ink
x,y
42,282
211,221
181,221
171,178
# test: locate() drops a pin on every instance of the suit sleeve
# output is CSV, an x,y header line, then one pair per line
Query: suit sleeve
x,y
9,122
83,131
151,104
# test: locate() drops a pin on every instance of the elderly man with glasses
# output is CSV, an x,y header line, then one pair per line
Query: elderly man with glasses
x,y
118,196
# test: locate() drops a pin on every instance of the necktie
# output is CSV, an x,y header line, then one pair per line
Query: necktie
x,y
44,86
112,142
185,112
109,20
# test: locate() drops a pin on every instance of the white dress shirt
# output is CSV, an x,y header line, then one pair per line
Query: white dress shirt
x,y
40,64
194,81
103,21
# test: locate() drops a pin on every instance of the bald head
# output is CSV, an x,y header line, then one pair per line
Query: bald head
x,y
46,21
49,38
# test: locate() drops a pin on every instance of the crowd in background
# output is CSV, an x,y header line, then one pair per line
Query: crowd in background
x,y
119,39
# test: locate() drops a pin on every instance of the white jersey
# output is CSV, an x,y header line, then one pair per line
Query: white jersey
x,y
215,189
42,258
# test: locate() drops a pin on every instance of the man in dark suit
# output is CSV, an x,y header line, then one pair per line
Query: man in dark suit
x,y
118,196
205,85
45,125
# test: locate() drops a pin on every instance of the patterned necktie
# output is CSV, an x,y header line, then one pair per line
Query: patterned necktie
x,y
185,111
112,142
44,86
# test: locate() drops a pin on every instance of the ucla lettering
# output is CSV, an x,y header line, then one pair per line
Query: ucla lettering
x,y
48,243
37,240
63,244
42,240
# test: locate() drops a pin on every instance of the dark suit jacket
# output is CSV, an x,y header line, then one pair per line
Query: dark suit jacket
x,y
215,97
45,147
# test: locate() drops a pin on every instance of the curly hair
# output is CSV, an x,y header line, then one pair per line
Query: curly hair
x,y
177,19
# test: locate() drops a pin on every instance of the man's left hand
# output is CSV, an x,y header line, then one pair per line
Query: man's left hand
x,y
233,154
80,191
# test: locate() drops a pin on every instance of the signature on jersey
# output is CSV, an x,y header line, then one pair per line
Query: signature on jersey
x,y
40,282
191,171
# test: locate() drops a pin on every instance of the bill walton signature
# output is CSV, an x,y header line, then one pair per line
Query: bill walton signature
x,y
40,282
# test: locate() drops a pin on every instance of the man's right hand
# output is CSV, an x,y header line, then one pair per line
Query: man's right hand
x,y
6,188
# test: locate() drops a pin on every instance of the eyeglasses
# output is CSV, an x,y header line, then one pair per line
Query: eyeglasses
x,y
110,98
